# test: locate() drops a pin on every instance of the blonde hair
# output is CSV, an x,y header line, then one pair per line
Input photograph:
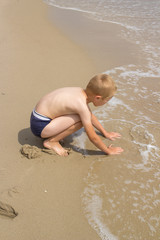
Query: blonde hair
x,y
103,85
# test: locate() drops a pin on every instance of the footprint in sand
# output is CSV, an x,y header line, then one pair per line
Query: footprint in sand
x,y
7,210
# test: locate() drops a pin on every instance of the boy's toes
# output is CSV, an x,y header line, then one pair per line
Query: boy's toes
x,y
65,154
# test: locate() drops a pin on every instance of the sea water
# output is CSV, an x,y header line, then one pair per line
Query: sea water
x,y
121,198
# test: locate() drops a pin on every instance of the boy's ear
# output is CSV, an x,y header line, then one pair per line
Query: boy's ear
x,y
98,97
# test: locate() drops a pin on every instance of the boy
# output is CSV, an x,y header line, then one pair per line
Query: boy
x,y
65,110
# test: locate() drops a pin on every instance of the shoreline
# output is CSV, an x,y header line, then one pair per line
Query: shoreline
x,y
101,40
108,49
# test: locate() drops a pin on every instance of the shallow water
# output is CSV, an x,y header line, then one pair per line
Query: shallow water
x,y
122,194
121,199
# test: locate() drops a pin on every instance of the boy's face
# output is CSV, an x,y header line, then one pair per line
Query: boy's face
x,y
100,101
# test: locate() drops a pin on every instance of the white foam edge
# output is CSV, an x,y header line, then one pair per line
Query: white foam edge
x,y
93,207
51,3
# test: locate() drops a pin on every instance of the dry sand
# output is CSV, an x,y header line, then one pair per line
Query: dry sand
x,y
46,191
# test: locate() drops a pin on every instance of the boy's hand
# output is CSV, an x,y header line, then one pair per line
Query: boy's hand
x,y
112,135
114,150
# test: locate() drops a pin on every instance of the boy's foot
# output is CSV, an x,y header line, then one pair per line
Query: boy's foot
x,y
56,147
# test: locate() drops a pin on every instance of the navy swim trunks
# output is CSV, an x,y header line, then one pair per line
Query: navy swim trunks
x,y
38,122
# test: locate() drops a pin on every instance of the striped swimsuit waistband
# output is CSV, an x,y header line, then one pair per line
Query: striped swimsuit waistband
x,y
39,116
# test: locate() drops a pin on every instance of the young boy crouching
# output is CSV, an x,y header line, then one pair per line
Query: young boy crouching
x,y
65,110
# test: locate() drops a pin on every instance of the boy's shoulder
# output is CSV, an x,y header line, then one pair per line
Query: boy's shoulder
x,y
74,96
72,92
70,89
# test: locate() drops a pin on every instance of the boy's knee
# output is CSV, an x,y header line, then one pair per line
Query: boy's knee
x,y
79,124
76,118
76,126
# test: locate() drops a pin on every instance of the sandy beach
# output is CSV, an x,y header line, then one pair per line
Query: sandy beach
x,y
39,53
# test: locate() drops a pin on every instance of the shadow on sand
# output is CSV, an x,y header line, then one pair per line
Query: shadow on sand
x,y
25,136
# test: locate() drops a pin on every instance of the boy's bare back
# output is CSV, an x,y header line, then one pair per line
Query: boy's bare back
x,y
64,101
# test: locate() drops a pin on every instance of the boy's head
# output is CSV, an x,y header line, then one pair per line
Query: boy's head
x,y
101,85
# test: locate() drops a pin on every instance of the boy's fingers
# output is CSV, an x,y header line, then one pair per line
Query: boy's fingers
x,y
117,136
111,138
116,150
114,136
121,150
110,145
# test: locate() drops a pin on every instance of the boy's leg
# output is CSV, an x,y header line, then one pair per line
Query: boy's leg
x,y
58,129
53,142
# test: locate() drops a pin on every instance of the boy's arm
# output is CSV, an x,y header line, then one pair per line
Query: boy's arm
x,y
95,139
99,127
86,119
